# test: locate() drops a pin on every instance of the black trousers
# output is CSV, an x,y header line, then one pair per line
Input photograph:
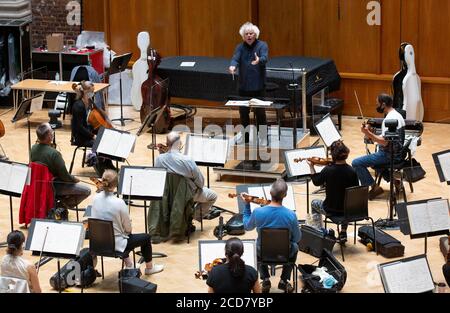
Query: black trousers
x,y
244,112
102,163
140,240
286,272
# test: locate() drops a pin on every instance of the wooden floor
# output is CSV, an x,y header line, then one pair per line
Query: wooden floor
x,y
182,260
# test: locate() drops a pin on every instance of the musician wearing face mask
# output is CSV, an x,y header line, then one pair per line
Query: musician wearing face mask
x,y
84,134
382,156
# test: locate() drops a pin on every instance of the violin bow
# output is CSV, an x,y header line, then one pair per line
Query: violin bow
x,y
362,116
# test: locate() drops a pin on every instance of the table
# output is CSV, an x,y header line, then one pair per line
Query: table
x,y
30,85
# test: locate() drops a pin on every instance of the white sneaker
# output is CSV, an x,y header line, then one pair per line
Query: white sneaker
x,y
155,269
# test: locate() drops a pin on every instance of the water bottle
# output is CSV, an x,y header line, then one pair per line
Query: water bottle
x,y
57,76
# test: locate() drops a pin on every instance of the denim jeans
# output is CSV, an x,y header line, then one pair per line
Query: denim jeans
x,y
362,164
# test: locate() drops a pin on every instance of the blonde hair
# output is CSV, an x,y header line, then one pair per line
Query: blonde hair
x,y
82,88
249,26
109,180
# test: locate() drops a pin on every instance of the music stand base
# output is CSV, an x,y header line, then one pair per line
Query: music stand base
x,y
387,224
122,120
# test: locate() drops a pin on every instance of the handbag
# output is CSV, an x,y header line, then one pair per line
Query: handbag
x,y
415,172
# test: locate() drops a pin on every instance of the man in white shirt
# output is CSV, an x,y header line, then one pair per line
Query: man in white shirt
x,y
382,157
177,163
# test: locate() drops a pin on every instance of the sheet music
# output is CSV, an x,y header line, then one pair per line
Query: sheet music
x,y
438,215
257,102
36,103
14,177
146,182
444,161
418,218
116,144
187,64
428,217
61,238
211,250
302,168
208,150
328,131
237,103
264,192
408,277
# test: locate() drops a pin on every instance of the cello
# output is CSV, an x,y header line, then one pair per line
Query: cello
x,y
155,93
97,117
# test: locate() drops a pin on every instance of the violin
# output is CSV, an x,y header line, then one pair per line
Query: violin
x,y
208,268
252,199
98,183
162,148
97,117
2,129
315,161
155,92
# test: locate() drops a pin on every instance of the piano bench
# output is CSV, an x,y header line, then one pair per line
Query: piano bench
x,y
334,106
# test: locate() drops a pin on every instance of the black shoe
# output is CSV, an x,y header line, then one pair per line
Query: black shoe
x,y
343,237
285,286
265,286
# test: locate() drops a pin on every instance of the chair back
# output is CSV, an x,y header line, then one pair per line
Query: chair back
x,y
101,237
356,203
275,245
13,285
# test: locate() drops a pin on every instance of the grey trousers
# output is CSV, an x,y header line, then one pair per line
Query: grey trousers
x,y
71,194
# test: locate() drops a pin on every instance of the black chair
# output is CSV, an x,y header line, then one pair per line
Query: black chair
x,y
102,242
77,147
405,161
356,208
334,106
275,250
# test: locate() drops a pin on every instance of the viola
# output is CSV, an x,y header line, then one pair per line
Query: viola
x,y
97,117
208,268
162,148
155,93
252,199
315,161
98,183
2,129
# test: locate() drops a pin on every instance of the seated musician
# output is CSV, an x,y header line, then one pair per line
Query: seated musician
x,y
234,276
107,206
382,156
67,187
251,57
177,163
15,266
274,215
82,133
336,178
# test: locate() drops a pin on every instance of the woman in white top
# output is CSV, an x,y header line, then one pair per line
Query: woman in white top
x,y
107,206
15,266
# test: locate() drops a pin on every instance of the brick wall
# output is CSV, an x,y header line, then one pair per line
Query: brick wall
x,y
50,16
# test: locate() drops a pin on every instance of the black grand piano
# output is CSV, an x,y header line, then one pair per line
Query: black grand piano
x,y
208,78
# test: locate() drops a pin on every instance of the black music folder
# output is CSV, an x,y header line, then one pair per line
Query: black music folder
x,y
14,176
114,144
442,163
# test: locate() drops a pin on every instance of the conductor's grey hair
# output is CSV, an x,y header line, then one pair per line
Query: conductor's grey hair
x,y
278,190
172,138
249,27
43,130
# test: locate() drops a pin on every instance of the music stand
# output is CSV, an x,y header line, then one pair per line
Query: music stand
x,y
118,65
24,111
149,123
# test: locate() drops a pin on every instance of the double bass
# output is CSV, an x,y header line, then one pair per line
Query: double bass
x,y
155,93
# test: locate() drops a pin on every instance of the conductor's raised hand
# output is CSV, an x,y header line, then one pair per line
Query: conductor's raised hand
x,y
256,60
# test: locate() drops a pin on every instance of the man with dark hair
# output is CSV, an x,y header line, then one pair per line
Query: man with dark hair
x,y
274,215
336,178
67,187
383,155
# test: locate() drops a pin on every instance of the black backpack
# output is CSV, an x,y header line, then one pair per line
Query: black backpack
x,y
88,273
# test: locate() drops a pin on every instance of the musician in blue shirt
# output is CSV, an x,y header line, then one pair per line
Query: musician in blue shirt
x,y
274,215
250,57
